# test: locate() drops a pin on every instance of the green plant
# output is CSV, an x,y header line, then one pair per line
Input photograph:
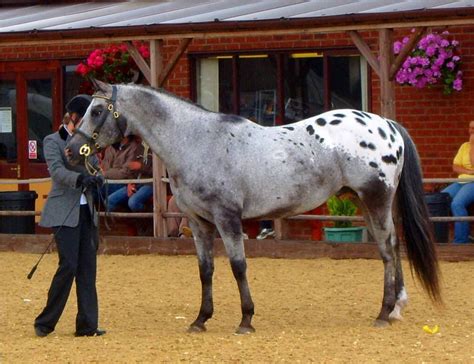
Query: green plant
x,y
338,206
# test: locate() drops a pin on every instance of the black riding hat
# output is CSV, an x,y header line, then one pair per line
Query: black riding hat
x,y
79,104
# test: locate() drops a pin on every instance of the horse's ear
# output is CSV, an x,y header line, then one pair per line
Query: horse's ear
x,y
100,86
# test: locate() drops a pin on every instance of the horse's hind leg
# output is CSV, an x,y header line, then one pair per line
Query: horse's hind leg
x,y
378,213
230,229
204,234
400,291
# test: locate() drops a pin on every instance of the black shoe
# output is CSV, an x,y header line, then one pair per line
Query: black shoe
x,y
96,332
40,333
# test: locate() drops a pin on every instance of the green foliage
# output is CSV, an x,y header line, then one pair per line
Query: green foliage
x,y
341,207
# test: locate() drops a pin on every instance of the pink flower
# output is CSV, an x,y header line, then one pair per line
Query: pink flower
x,y
457,84
82,69
434,59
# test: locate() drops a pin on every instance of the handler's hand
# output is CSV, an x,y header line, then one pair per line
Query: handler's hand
x,y
134,165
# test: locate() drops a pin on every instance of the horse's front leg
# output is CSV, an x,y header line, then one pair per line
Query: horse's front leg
x,y
231,233
204,235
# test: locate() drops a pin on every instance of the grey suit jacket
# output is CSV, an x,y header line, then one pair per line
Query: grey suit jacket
x,y
63,203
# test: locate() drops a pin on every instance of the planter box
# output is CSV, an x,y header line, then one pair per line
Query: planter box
x,y
345,235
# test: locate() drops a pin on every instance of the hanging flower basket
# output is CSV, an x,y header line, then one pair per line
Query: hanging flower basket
x,y
434,60
112,64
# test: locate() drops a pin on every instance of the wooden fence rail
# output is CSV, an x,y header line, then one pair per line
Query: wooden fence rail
x,y
170,215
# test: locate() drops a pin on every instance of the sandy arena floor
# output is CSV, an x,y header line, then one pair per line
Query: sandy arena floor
x,y
306,311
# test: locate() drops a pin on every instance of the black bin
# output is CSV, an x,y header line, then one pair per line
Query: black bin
x,y
439,205
17,201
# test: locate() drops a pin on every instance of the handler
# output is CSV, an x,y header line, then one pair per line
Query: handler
x,y
69,210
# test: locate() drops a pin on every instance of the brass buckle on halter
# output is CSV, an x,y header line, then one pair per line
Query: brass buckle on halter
x,y
85,150
116,114
110,107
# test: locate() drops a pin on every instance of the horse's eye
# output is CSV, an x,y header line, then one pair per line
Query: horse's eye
x,y
96,113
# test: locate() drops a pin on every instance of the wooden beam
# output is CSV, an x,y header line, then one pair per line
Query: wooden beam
x,y
364,49
414,39
141,63
160,202
174,59
387,89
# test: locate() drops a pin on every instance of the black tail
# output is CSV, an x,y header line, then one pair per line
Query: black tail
x,y
418,231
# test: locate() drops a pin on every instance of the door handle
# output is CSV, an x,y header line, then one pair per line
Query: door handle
x,y
18,170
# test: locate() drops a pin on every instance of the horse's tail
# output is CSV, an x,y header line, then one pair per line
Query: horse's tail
x,y
417,229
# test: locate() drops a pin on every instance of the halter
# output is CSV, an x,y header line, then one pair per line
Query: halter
x,y
85,149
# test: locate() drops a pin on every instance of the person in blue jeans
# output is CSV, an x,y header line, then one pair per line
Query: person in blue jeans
x,y
135,196
462,193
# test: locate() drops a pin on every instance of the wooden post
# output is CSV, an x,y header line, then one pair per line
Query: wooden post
x,y
387,88
159,169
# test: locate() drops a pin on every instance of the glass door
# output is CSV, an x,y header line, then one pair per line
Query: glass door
x,y
26,116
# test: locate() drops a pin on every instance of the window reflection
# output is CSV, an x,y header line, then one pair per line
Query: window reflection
x,y
305,87
40,114
8,143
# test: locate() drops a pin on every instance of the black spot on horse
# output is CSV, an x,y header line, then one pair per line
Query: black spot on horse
x,y
310,129
339,115
302,144
382,133
399,152
367,114
249,134
390,125
317,136
363,144
289,127
321,121
389,159
232,135
373,165
392,138
335,122
360,121
321,140
371,146
370,131
358,113
381,174
389,145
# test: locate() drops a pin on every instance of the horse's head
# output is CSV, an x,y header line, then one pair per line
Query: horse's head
x,y
101,126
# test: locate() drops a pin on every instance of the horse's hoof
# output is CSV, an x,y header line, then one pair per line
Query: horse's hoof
x,y
245,330
196,328
381,323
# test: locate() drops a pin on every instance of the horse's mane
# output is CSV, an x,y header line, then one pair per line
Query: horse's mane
x,y
169,94
224,117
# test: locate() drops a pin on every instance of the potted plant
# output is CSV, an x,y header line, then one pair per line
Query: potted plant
x,y
343,231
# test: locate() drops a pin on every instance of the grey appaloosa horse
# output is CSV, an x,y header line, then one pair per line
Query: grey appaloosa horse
x,y
225,168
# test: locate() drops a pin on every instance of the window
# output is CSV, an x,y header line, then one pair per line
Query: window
x,y
281,88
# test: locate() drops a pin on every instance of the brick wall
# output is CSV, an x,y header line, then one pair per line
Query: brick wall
x,y
437,123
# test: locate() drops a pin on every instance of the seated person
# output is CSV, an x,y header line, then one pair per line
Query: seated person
x,y
462,193
135,196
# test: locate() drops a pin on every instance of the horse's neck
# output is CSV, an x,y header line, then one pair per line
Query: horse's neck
x,y
168,122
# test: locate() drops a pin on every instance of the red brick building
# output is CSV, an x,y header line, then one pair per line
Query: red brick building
x,y
229,59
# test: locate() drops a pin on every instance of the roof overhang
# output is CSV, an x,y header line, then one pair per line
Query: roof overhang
x,y
347,22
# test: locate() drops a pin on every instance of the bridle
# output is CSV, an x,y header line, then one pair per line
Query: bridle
x,y
85,149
